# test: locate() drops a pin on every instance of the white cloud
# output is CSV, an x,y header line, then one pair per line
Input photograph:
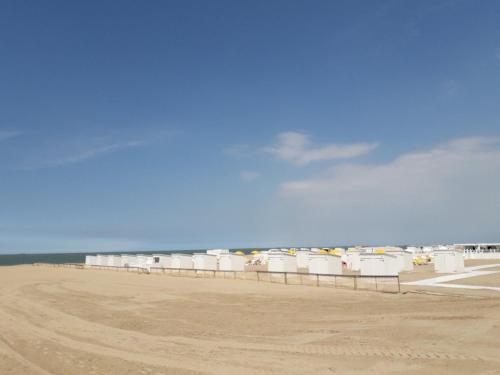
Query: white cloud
x,y
298,148
248,176
449,193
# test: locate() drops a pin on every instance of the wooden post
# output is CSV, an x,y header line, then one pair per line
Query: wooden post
x,y
399,285
286,279
258,276
355,283
317,280
376,286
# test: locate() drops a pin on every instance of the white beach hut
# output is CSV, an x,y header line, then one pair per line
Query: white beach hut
x,y
302,258
326,264
101,260
90,260
126,259
123,260
353,260
129,260
218,252
281,262
405,260
232,262
373,264
110,260
448,261
117,260
182,261
203,261
141,260
162,261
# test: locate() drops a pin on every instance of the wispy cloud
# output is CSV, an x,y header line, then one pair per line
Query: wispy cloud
x,y
7,134
72,151
298,148
91,153
249,176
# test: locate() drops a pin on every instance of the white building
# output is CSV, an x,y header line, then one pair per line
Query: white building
x,y
405,260
129,260
373,264
326,264
302,258
162,261
353,260
182,261
281,262
218,252
203,261
448,261
479,250
232,262
90,260
101,260
114,260
144,261
414,249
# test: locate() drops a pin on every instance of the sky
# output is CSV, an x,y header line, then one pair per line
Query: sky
x,y
196,124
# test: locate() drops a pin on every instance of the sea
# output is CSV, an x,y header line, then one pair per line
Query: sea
x,y
57,258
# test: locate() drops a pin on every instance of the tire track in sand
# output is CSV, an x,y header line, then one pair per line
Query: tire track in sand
x,y
17,356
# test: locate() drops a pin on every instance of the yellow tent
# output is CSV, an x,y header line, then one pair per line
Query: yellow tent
x,y
239,252
256,252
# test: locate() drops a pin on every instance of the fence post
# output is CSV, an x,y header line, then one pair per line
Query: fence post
x,y
335,280
376,285
317,280
399,285
286,279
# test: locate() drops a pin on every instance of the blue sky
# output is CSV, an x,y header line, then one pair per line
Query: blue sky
x,y
194,124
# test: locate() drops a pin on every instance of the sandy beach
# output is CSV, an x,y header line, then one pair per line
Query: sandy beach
x,y
70,321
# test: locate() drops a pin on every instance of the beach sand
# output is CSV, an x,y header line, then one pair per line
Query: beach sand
x,y
71,321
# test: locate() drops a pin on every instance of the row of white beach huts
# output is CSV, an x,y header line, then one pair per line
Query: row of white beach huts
x,y
369,261
223,261
316,261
